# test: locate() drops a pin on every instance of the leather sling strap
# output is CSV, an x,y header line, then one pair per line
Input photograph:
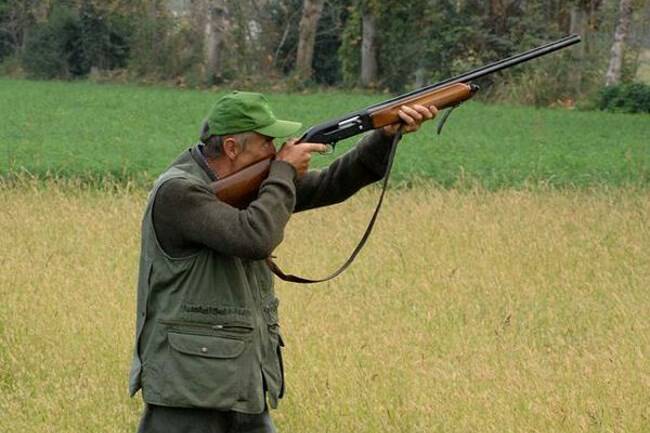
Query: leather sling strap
x,y
298,279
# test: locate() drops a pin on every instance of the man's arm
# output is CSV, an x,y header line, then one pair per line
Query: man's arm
x,y
188,217
365,163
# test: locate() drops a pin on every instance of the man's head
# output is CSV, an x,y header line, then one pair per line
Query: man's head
x,y
240,129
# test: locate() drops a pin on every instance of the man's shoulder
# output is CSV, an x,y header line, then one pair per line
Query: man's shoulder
x,y
179,189
187,165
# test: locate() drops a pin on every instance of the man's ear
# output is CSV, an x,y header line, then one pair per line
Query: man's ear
x,y
230,148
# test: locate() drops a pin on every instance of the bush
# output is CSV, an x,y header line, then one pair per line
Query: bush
x,y
53,49
104,37
625,98
161,50
70,44
11,66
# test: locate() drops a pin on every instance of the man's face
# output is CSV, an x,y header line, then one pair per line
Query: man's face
x,y
255,148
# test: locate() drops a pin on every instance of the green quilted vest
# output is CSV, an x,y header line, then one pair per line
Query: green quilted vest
x,y
207,332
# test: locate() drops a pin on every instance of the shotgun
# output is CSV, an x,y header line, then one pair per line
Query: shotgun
x,y
240,188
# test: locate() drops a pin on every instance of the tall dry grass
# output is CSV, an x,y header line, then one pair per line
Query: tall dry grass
x,y
467,312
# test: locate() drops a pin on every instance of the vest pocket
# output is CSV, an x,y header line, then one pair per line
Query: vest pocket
x,y
275,368
204,370
207,346
278,343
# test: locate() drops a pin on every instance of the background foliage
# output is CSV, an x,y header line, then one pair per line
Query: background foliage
x,y
626,98
416,42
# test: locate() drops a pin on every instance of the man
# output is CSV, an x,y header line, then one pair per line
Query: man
x,y
208,347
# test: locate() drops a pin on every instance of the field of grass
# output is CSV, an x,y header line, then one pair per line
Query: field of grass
x,y
500,304
89,130
470,311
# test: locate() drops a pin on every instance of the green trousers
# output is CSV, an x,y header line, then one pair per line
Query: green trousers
x,y
160,419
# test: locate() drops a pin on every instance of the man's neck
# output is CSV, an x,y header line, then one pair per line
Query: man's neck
x,y
215,165
219,167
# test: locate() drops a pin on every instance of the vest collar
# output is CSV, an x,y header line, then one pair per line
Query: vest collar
x,y
199,158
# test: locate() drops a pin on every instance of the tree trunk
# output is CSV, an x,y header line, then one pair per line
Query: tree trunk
x,y
496,14
214,31
643,68
613,75
369,49
18,20
578,26
311,13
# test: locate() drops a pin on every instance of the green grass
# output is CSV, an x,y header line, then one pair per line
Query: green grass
x,y
127,132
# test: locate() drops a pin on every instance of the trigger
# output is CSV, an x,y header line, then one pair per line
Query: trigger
x,y
444,118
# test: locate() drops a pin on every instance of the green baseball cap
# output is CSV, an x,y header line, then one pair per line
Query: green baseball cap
x,y
239,112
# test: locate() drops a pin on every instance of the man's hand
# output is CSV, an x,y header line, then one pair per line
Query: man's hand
x,y
412,118
299,154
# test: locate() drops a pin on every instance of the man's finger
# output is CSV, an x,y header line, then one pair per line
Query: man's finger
x,y
424,111
412,112
314,147
405,117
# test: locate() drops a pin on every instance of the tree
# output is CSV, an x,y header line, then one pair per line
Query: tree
x,y
17,18
215,28
369,46
613,75
311,13
54,48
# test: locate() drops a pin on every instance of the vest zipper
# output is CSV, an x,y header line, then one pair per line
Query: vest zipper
x,y
235,327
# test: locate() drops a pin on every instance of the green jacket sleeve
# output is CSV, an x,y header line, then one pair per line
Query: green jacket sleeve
x,y
363,164
187,216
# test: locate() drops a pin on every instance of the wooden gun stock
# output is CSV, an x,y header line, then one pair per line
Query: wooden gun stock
x,y
240,188
446,97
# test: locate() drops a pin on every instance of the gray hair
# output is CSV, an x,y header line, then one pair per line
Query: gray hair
x,y
214,143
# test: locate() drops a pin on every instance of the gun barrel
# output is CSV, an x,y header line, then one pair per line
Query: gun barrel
x,y
490,68
360,121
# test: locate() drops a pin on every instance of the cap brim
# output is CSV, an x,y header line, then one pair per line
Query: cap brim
x,y
280,128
